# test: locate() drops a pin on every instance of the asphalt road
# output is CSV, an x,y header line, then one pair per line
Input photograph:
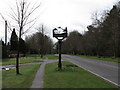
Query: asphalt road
x,y
106,70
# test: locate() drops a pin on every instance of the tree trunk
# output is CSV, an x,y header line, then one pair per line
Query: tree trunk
x,y
17,59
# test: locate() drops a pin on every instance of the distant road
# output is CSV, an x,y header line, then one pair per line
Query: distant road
x,y
103,69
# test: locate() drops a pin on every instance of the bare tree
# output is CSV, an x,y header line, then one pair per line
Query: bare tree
x,y
22,17
41,29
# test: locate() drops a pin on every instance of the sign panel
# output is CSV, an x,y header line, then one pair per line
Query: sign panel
x,y
59,33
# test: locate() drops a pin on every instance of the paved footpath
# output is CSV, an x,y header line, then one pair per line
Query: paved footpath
x,y
39,78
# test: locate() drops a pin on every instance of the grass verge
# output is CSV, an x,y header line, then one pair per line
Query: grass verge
x,y
101,58
11,80
72,76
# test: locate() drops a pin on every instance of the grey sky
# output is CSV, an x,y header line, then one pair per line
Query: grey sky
x,y
74,14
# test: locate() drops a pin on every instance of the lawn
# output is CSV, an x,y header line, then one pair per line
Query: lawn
x,y
10,61
72,76
28,59
11,80
35,56
101,58
52,57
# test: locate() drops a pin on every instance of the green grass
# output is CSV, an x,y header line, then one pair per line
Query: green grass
x,y
0,61
101,58
52,57
11,80
28,59
0,74
72,77
35,56
22,60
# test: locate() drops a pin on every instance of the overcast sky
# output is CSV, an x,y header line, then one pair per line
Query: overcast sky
x,y
74,14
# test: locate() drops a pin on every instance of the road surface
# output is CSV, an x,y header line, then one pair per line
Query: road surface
x,y
103,69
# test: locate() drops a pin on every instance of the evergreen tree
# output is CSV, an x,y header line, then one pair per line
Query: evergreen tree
x,y
13,41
